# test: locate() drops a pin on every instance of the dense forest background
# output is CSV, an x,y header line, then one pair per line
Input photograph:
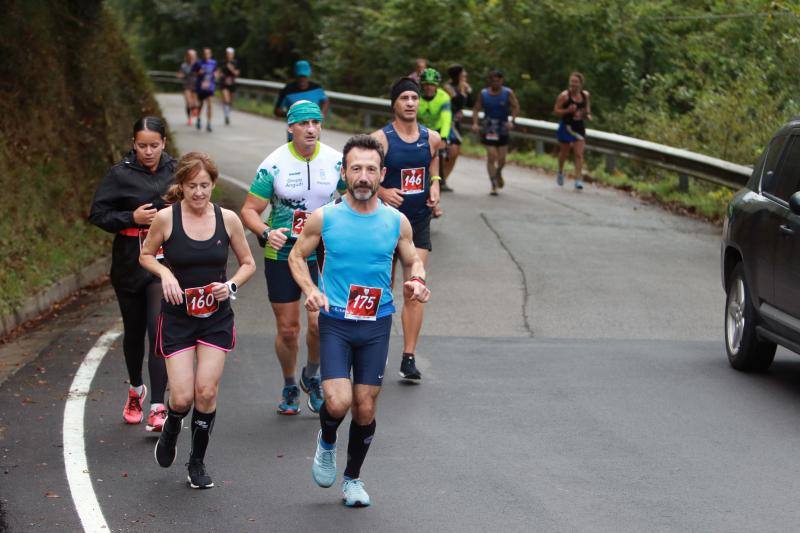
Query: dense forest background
x,y
715,76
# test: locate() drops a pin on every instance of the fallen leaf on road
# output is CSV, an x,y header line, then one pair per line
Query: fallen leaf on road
x,y
124,474
51,494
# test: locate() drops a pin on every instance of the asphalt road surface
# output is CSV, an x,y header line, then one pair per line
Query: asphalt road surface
x,y
574,380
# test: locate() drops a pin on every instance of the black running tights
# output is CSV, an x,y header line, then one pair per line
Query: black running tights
x,y
140,312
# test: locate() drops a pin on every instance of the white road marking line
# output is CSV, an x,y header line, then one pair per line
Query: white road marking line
x,y
239,183
78,477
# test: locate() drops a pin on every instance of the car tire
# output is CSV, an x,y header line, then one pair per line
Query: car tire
x,y
746,352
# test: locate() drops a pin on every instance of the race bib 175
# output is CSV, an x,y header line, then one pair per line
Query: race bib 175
x,y
363,303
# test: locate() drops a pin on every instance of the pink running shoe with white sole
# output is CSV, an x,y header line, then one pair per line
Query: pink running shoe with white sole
x,y
132,413
155,422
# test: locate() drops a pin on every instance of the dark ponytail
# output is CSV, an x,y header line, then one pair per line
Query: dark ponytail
x,y
151,124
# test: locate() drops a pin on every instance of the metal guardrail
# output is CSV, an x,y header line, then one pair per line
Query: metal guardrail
x,y
613,146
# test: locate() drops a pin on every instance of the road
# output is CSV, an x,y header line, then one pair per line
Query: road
x,y
575,380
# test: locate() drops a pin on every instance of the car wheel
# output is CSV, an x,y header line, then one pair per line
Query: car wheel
x,y
746,351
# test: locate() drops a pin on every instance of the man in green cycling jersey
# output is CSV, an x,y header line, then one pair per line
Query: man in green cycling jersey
x,y
295,179
434,113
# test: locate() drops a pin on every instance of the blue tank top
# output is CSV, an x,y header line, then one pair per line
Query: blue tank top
x,y
496,106
358,251
407,168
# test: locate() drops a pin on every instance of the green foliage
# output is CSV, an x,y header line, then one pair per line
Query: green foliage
x,y
712,76
69,93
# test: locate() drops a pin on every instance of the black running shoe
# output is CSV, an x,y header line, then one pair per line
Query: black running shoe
x,y
408,369
165,447
227,121
444,187
198,478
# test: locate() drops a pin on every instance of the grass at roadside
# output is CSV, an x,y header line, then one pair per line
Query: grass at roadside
x,y
703,200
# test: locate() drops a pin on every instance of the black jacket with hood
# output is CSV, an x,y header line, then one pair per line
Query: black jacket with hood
x,y
126,187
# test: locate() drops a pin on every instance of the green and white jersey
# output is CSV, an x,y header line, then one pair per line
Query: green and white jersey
x,y
293,184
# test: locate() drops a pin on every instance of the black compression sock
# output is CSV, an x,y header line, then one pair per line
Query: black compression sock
x,y
357,447
328,424
202,424
406,355
174,418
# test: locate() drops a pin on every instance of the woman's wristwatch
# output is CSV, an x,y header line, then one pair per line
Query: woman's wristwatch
x,y
232,288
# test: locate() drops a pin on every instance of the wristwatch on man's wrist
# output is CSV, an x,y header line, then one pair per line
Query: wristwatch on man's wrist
x,y
264,237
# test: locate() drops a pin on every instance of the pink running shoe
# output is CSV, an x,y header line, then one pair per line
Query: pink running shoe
x,y
132,413
155,422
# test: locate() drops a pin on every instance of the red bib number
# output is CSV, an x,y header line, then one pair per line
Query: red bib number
x,y
492,136
200,301
412,180
299,221
363,303
142,236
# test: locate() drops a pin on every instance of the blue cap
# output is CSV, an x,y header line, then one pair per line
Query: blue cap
x,y
302,68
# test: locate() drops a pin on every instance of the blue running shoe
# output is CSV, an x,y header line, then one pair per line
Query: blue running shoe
x,y
324,468
578,185
560,179
313,388
289,404
354,494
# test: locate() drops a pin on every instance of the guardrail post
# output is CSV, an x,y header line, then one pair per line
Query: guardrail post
x,y
367,121
683,183
611,163
539,147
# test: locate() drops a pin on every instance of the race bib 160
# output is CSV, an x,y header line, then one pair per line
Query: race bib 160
x,y
200,301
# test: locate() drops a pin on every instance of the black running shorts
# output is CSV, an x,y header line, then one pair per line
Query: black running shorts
x,y
281,286
178,332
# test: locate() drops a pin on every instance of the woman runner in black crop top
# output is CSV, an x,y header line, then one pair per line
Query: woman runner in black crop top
x,y
573,106
196,320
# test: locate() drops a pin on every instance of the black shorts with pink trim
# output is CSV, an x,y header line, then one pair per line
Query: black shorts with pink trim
x,y
178,332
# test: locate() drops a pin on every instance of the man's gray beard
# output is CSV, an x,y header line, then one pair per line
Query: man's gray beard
x,y
362,197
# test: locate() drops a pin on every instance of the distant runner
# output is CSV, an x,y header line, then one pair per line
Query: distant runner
x,y
498,102
573,106
229,71
196,321
354,299
126,202
420,64
189,77
435,113
205,71
461,98
412,186
295,179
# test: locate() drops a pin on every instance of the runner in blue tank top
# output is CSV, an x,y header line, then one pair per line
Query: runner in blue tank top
x,y
354,299
497,102
412,186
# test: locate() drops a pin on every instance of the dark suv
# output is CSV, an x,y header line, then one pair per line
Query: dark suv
x,y
761,257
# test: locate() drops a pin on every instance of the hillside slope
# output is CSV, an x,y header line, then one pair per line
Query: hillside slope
x,y
70,91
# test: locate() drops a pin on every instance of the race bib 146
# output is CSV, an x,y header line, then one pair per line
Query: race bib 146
x,y
412,180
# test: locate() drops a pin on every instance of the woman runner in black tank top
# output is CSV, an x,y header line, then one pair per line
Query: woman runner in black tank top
x,y
196,263
196,322
573,106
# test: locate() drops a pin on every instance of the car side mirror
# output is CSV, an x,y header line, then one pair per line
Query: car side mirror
x,y
794,203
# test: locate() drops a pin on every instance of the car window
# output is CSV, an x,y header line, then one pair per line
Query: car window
x,y
768,178
787,174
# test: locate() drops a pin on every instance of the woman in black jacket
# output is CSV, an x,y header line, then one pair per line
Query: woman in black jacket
x,y
126,203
